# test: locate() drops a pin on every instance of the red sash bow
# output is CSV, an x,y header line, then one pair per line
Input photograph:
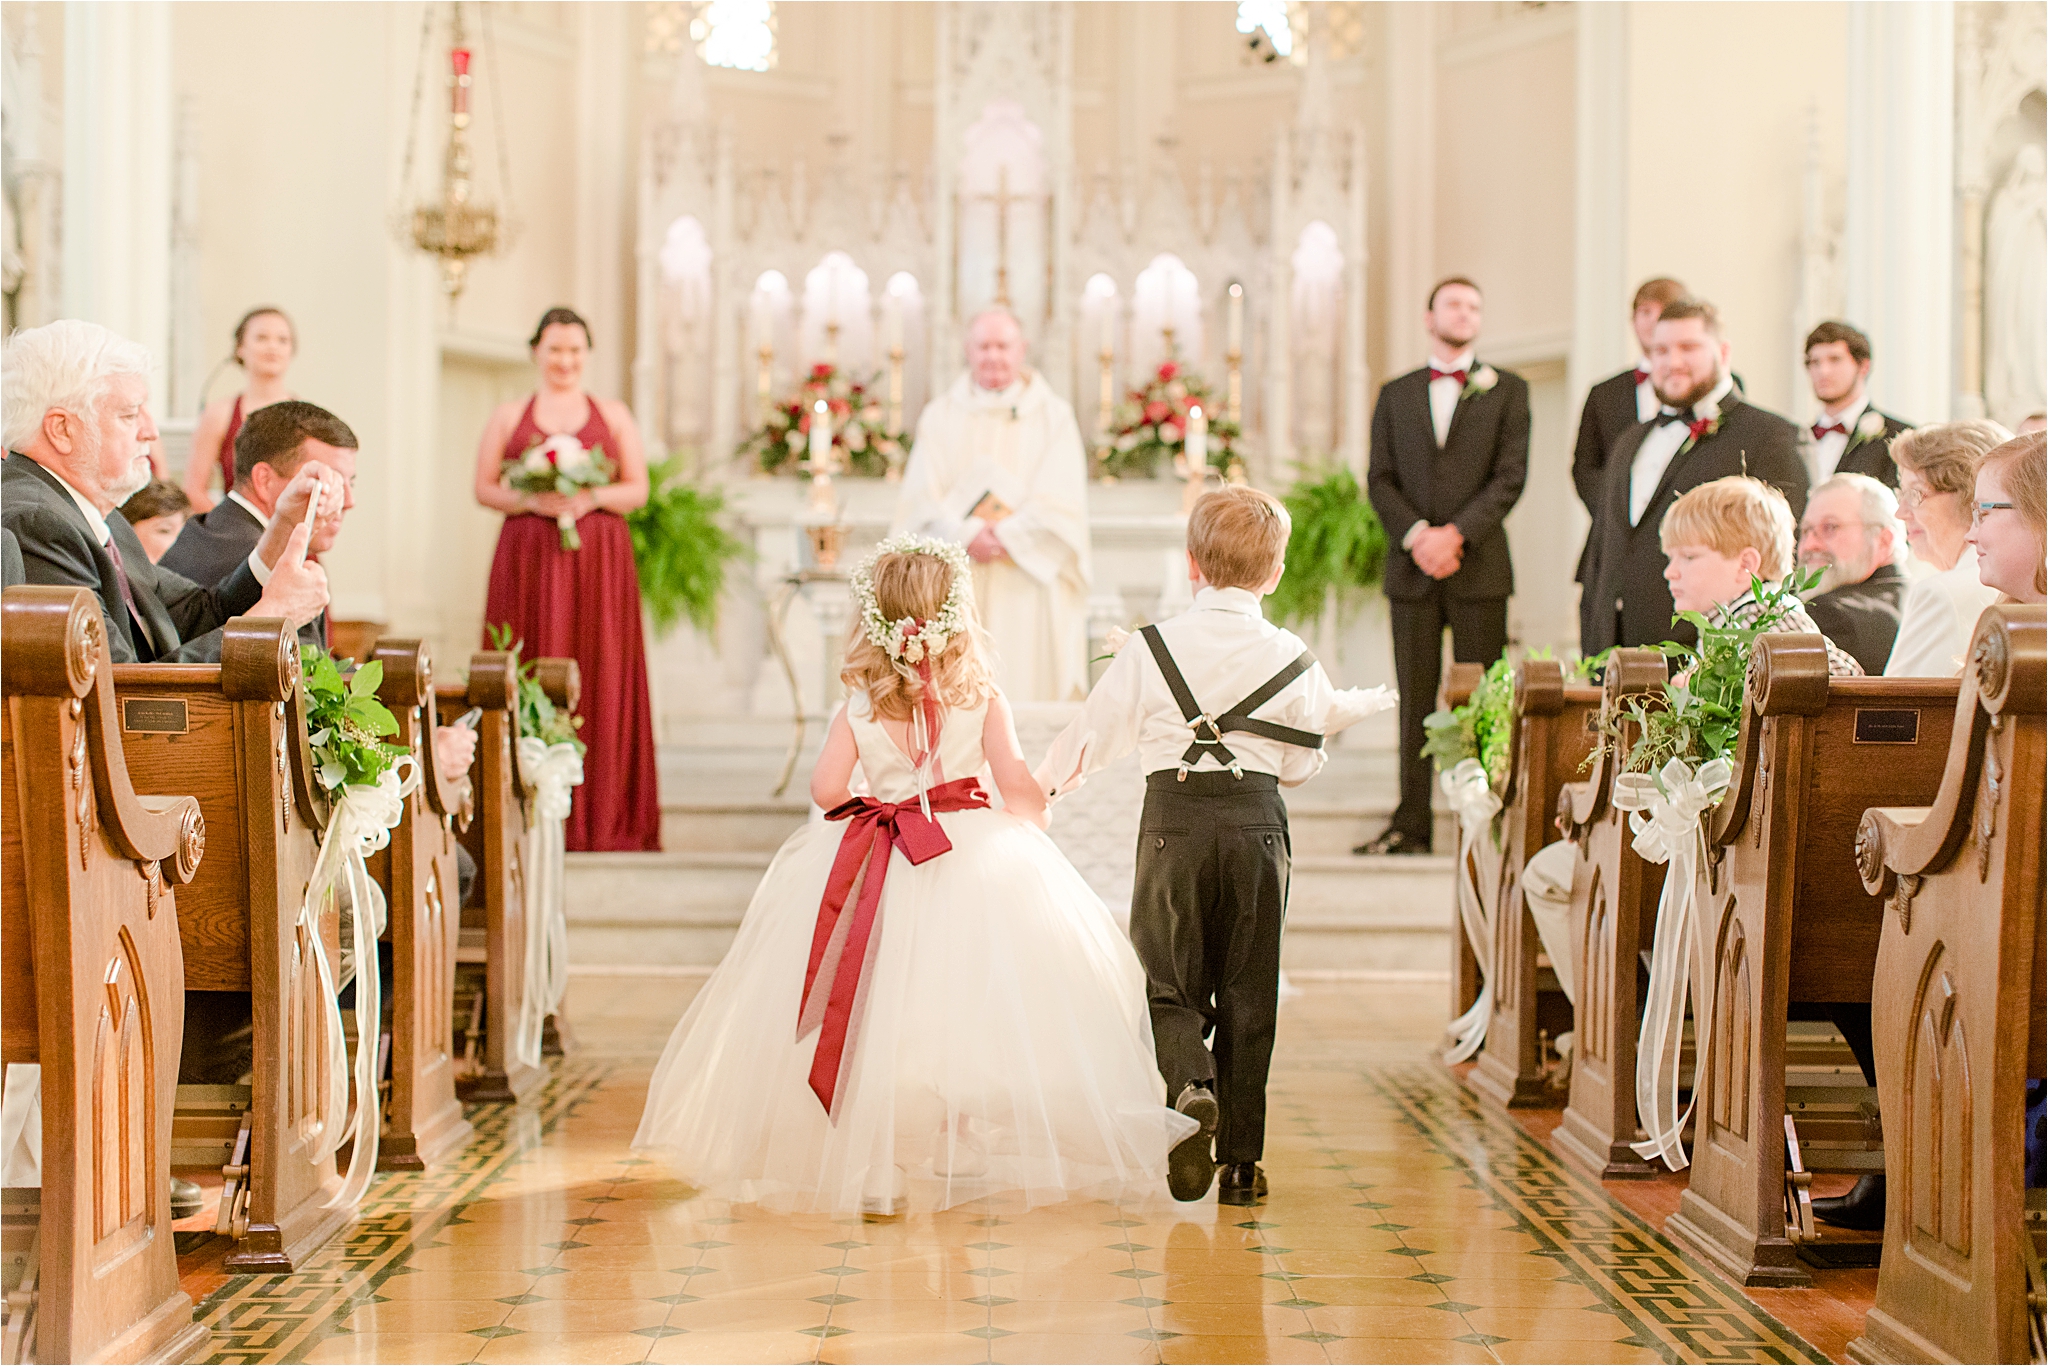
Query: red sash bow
x,y
839,944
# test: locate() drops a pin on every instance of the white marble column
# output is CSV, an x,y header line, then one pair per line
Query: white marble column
x,y
1600,238
1410,183
605,54
117,172
1898,231
1357,376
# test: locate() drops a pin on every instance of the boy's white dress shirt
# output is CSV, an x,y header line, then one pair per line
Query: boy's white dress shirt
x,y
1225,649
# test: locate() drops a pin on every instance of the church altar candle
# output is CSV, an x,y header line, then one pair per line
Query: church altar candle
x,y
892,322
1108,328
821,437
1237,320
1197,442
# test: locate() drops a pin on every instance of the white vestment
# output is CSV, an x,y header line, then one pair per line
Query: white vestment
x,y
1023,445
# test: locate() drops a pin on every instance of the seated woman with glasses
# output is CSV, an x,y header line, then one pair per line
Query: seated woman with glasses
x,y
1937,483
2010,527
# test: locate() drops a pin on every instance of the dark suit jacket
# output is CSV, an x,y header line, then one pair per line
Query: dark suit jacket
x,y
1626,565
1873,456
211,545
12,571
1863,618
1610,410
1472,480
58,547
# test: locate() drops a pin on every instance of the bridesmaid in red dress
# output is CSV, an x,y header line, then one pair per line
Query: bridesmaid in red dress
x,y
583,604
265,343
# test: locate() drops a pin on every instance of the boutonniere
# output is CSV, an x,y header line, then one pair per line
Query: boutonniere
x,y
1869,427
1483,378
1701,427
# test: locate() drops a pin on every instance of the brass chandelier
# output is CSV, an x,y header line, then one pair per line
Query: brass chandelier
x,y
455,224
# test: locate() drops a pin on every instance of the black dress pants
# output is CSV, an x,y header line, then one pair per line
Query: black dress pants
x,y
1206,912
1479,635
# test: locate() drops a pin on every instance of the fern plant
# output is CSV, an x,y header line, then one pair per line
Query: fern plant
x,y
682,548
1338,544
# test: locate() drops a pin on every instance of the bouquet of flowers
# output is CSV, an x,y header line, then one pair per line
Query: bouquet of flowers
x,y
560,464
861,441
1152,422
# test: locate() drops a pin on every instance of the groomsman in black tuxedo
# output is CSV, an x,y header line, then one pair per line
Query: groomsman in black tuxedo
x,y
1450,450
1850,436
1704,429
1614,405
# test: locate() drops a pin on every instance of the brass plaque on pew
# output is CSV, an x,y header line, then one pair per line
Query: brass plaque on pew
x,y
1884,726
154,715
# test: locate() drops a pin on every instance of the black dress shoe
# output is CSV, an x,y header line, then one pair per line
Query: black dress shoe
x,y
1393,842
1241,1183
1861,1209
1191,1166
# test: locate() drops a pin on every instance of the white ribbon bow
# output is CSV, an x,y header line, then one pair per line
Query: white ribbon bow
x,y
1475,804
1666,814
360,824
549,771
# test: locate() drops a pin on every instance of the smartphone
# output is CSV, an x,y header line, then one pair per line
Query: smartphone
x,y
470,717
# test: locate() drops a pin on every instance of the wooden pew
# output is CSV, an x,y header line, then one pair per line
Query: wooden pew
x,y
495,933
1460,680
1614,919
1552,735
1958,1017
93,988
418,874
234,734
1786,920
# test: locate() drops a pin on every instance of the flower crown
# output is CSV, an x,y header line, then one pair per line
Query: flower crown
x,y
909,640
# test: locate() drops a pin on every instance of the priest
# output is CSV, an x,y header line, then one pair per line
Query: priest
x,y
998,466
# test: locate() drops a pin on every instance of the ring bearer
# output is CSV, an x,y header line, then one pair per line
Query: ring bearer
x,y
1224,709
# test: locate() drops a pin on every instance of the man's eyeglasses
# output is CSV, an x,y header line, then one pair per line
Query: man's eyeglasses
x,y
1829,529
1977,517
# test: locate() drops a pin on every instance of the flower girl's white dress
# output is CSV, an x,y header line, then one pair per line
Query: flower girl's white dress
x,y
1000,1040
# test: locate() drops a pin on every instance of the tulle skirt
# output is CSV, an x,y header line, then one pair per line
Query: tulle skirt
x,y
1002,1043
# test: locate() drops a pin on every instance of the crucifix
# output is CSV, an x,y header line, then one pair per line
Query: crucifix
x,y
1002,199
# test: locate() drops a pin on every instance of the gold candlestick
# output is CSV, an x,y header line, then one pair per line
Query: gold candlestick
x,y
1167,333
764,380
832,344
1106,403
1234,360
895,389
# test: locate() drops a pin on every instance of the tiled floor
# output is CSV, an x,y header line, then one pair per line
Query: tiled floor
x,y
1406,1224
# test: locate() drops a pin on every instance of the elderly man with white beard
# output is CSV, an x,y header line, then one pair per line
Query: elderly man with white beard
x,y
999,467
1851,534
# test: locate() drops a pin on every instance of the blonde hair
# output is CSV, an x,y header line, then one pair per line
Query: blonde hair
x,y
911,585
1946,454
2022,466
1238,537
1730,515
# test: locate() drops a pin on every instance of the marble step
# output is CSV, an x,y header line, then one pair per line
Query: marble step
x,y
684,907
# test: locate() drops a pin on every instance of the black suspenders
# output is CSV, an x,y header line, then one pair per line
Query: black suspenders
x,y
1210,730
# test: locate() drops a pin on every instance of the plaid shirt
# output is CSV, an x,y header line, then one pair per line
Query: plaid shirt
x,y
1745,609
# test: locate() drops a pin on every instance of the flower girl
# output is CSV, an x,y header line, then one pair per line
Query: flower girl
x,y
926,1003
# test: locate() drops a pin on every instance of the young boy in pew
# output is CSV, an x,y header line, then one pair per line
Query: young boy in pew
x,y
1716,539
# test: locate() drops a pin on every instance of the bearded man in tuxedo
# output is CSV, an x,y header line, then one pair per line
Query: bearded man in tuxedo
x,y
1450,451
1703,430
1614,405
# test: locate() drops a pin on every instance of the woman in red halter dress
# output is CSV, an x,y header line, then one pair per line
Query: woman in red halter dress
x,y
265,343
580,604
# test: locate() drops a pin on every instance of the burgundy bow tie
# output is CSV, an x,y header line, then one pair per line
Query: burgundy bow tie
x,y
1821,429
1436,374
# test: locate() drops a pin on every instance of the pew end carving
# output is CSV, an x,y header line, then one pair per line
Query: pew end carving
x,y
235,735
418,873
1614,918
93,990
1784,921
1960,966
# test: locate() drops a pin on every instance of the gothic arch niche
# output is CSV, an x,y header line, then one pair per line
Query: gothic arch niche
x,y
1096,324
1318,336
686,333
770,333
906,325
2015,250
1594,1018
1000,256
838,317
1166,315
1734,1001
1937,1129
